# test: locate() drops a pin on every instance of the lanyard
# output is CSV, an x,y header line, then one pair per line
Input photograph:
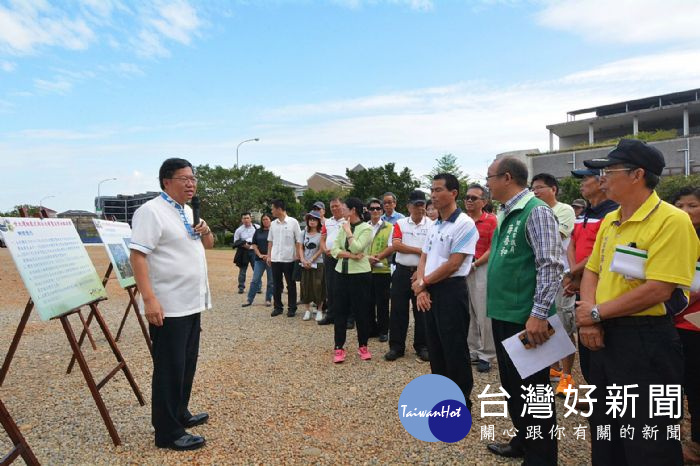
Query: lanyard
x,y
183,217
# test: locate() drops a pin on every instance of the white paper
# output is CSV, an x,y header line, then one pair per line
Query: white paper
x,y
529,361
627,263
693,318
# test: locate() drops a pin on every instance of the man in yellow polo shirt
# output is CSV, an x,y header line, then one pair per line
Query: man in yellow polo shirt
x,y
624,321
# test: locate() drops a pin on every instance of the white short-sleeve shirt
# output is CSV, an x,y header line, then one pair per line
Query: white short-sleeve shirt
x,y
457,234
177,264
411,234
332,227
284,236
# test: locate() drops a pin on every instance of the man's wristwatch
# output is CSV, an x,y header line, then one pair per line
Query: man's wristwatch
x,y
595,315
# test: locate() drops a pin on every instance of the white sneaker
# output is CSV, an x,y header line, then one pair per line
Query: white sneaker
x,y
319,316
307,315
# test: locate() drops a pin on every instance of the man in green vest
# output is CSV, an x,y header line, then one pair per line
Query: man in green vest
x,y
524,272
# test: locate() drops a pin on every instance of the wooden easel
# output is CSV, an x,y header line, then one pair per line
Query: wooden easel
x,y
21,447
80,357
131,290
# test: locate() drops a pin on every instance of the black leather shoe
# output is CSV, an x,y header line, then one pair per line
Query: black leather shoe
x,y
196,420
276,312
241,291
505,449
483,366
383,337
186,442
291,313
325,321
392,355
246,304
423,355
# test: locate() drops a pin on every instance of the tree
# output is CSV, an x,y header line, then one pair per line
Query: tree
x,y
569,189
375,181
670,185
448,164
310,196
226,193
33,210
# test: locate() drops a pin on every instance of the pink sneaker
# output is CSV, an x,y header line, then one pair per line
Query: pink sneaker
x,y
339,356
364,353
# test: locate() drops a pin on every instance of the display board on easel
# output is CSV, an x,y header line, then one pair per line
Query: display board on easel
x,y
53,264
60,278
116,237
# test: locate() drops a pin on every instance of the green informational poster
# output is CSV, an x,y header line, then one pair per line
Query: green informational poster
x,y
53,264
116,237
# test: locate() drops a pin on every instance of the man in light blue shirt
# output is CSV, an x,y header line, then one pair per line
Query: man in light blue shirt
x,y
389,202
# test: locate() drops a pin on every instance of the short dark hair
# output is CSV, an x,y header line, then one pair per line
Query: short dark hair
x,y
244,214
278,204
428,203
651,180
374,200
547,179
354,203
451,181
516,168
486,194
169,167
686,191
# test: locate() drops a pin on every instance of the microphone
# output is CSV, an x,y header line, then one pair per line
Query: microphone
x,y
195,210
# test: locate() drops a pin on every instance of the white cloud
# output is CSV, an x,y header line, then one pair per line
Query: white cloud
x,y
59,85
417,5
24,26
8,66
177,21
625,21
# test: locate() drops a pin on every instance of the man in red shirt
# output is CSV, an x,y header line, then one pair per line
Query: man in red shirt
x,y
583,238
480,338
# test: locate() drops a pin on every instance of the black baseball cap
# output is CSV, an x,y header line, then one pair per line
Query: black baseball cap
x,y
416,197
634,152
585,172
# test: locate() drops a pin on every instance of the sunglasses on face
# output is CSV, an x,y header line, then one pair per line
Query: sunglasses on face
x,y
376,209
472,198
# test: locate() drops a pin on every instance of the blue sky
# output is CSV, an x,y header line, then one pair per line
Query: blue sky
x,y
94,89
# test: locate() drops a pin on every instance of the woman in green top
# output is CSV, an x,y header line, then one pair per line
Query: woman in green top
x,y
353,279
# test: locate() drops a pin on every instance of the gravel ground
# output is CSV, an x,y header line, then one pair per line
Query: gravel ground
x,y
268,384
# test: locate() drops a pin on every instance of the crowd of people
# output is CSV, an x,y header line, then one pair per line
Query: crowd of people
x,y
368,266
616,268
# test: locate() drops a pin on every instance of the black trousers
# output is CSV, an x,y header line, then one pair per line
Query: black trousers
x,y
175,351
537,452
691,349
379,304
642,351
447,326
329,264
278,270
401,296
351,297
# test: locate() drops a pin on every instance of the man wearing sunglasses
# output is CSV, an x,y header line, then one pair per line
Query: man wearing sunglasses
x,y
480,339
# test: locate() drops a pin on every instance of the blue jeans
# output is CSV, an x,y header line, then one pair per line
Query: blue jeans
x,y
256,284
242,270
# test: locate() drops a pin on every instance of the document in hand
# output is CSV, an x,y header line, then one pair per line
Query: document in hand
x,y
529,361
693,318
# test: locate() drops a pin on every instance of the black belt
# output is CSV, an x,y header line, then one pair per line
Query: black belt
x,y
638,321
412,269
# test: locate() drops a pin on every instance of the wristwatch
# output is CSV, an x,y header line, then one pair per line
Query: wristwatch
x,y
595,315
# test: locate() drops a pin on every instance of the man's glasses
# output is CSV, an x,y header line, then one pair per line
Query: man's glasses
x,y
539,188
472,198
606,171
493,176
185,179
376,209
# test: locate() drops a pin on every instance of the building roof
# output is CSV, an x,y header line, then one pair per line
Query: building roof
x,y
337,179
646,103
77,213
290,184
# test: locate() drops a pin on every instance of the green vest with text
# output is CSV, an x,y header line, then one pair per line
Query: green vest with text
x,y
512,273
